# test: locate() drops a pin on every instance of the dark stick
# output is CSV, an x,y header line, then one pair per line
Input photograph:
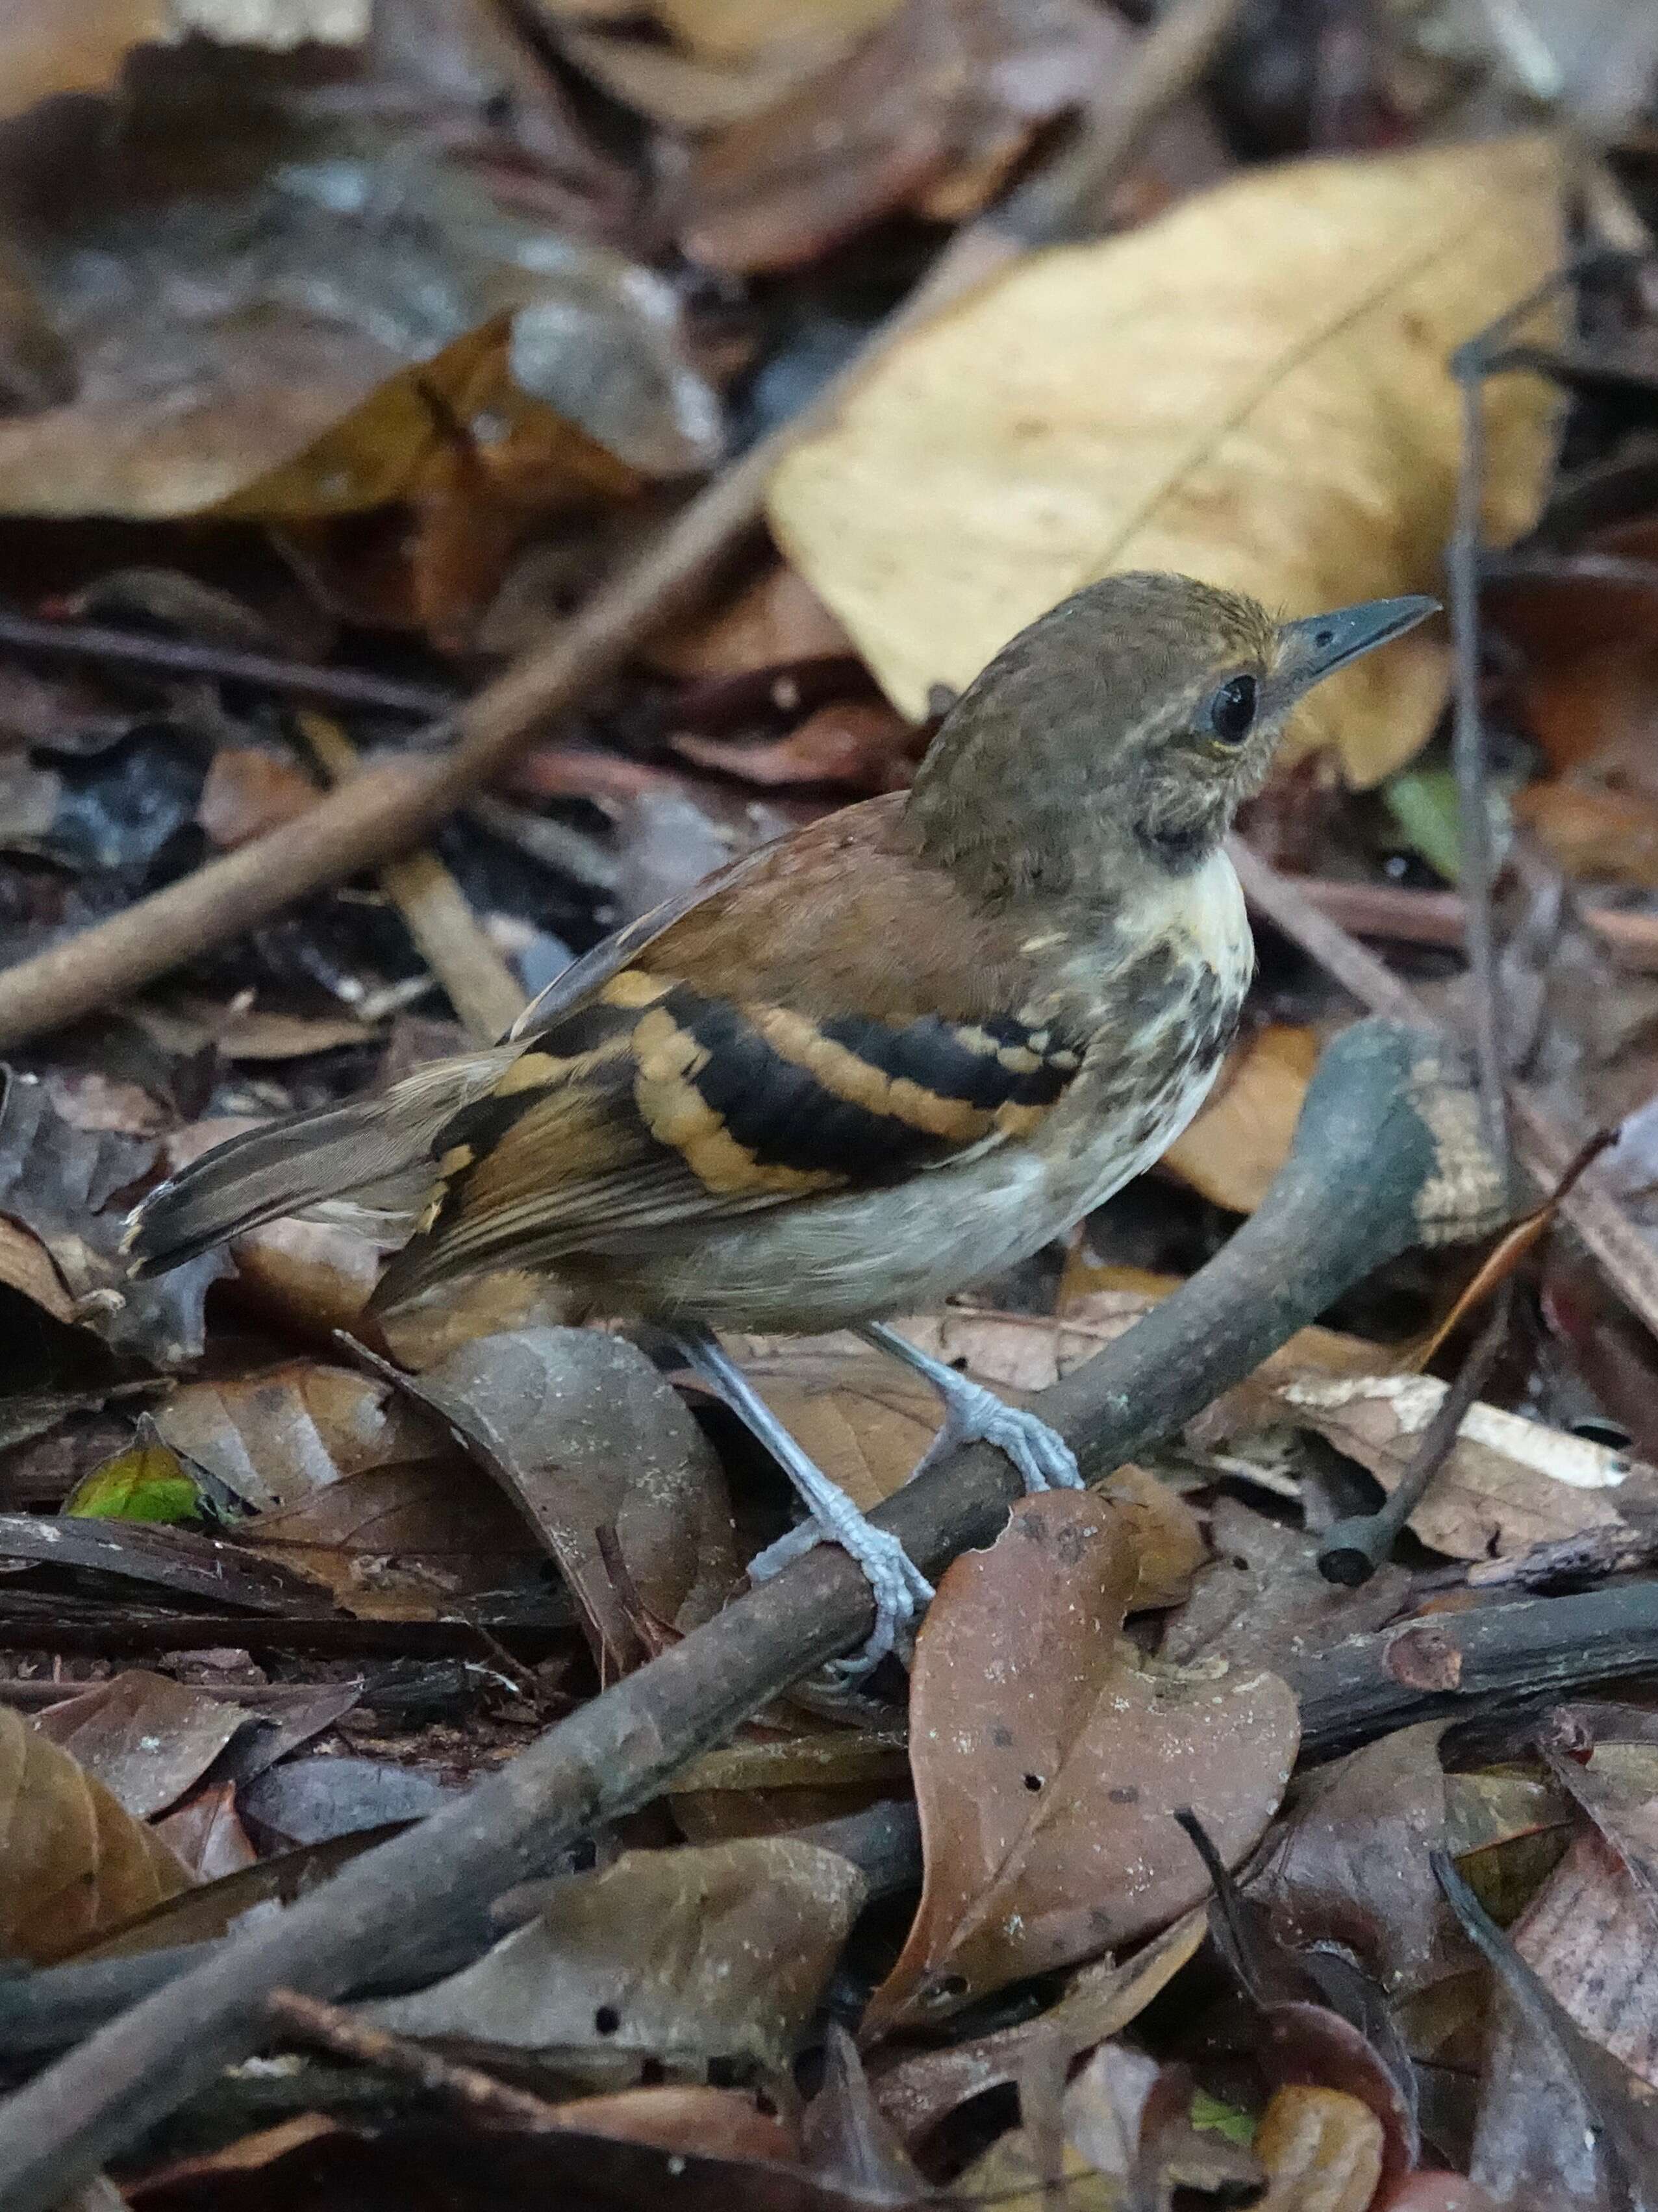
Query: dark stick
x,y
1355,1547
1468,755
169,656
1382,1161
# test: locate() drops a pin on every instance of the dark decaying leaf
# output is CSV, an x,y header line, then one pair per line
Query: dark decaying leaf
x,y
846,2136
402,1542
584,1434
313,1800
921,2088
1324,2023
1262,1602
714,1952
434,2164
71,1187
1590,1935
271,1439
72,1860
174,1559
146,1738
1050,1762
277,1736
1559,2115
207,1835
1352,1864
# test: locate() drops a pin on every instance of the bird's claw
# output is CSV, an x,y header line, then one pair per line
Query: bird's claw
x,y
902,1592
972,1415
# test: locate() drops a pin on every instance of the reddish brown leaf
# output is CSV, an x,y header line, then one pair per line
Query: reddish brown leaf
x,y
249,791
1050,1762
863,747
207,1836
1231,1152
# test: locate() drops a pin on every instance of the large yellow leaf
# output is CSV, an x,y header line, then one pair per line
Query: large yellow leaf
x,y
1252,389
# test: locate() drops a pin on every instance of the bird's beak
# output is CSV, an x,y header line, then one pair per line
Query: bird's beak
x,y
1314,649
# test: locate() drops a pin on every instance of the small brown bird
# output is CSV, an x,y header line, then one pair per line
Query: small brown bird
x,y
875,1062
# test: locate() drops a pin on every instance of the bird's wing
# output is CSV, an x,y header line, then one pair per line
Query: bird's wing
x,y
830,1022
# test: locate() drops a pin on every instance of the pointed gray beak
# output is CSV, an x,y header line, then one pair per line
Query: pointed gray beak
x,y
1318,646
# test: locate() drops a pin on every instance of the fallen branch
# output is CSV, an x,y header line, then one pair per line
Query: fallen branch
x,y
448,936
1409,917
390,809
1544,1151
1386,1156
190,657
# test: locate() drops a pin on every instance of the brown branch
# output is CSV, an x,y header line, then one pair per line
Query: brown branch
x,y
168,656
1544,1151
1426,917
483,990
1387,1153
310,2019
389,809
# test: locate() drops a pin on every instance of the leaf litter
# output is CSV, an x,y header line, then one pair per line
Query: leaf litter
x,y
372,359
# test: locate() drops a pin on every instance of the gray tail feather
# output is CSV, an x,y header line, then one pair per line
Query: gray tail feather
x,y
300,1161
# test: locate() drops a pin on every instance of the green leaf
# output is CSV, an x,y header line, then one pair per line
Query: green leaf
x,y
1220,2120
146,1482
1422,802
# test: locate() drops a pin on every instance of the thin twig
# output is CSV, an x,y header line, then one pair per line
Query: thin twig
x,y
1428,917
1469,759
310,2019
483,990
1355,1547
389,810
169,656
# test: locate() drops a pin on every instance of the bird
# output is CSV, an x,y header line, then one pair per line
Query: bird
x,y
870,1064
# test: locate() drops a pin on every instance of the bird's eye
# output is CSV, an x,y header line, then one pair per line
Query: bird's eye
x,y
1232,710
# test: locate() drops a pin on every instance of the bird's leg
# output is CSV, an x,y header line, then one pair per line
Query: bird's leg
x,y
975,1415
901,1590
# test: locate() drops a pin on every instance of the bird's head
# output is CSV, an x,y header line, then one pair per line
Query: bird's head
x,y
1127,723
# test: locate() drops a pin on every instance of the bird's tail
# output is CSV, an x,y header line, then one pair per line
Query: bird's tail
x,y
376,1151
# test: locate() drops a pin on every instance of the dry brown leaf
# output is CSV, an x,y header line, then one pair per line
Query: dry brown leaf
x,y
776,619
929,112
1231,1152
920,2088
1252,389
72,1861
1049,1763
273,1438
861,744
583,1434
1508,1482
706,1953
399,1543
26,1265
1322,2151
145,1737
